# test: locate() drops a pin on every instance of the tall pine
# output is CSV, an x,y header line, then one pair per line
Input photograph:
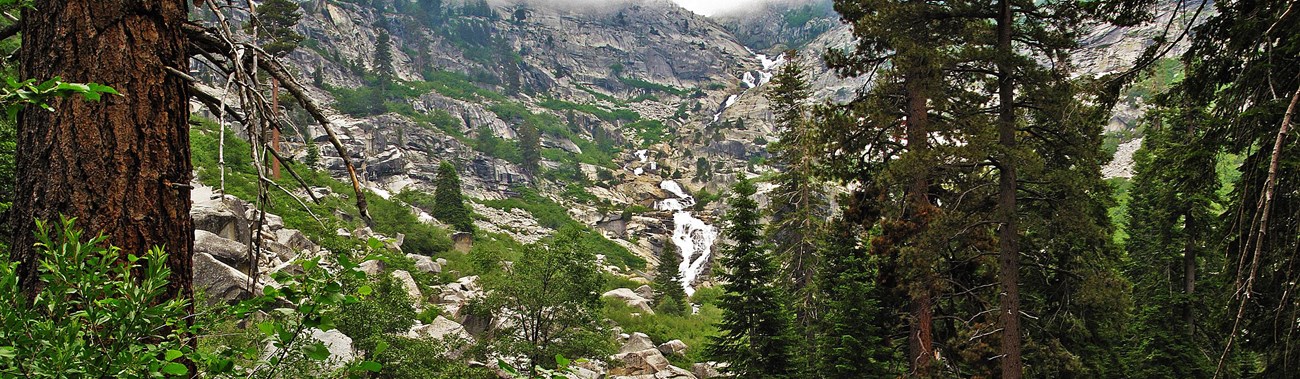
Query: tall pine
x,y
450,204
530,147
755,339
670,295
799,206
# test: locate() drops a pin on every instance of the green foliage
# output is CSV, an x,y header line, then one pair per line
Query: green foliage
x,y
384,55
388,310
693,329
755,337
530,147
422,358
21,94
651,86
302,301
550,297
612,116
670,297
850,340
277,18
97,312
555,216
449,203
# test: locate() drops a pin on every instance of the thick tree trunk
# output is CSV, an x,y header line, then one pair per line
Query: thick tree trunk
x,y
920,337
122,165
1009,232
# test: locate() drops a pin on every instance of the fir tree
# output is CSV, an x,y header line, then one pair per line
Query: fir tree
x,y
530,147
450,204
1242,71
670,296
851,331
383,55
277,18
1171,199
754,338
799,204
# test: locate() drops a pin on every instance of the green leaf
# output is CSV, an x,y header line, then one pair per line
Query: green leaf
x,y
266,327
380,347
507,368
175,369
171,355
371,366
316,351
561,361
7,352
365,290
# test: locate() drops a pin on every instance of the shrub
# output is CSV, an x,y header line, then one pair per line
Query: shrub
x,y
93,316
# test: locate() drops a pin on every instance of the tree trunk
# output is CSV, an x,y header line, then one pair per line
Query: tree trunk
x,y
1008,233
920,337
121,166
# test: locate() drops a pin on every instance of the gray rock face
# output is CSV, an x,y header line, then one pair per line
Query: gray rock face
x,y
631,298
636,342
425,264
707,370
371,267
645,291
227,251
674,347
408,283
221,283
442,328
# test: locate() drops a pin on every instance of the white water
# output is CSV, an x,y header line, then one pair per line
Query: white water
x,y
693,237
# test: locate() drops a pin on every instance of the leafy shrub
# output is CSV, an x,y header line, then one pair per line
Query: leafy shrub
x,y
92,315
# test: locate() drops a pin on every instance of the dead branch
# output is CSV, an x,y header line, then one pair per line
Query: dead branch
x,y
204,41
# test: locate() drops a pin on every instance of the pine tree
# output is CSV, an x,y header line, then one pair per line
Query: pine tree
x,y
1242,71
799,205
530,148
449,203
755,339
670,296
851,331
278,17
1173,192
384,55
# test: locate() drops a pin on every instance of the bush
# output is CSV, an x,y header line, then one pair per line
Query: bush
x,y
93,316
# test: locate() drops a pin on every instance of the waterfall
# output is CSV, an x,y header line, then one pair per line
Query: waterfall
x,y
693,237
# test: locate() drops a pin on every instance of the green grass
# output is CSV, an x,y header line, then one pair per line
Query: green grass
x,y
694,330
594,110
556,216
1119,212
656,87
390,217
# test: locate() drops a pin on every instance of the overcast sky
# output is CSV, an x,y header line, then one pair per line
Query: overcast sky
x,y
710,7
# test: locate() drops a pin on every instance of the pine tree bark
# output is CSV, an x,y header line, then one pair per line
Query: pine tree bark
x,y
1008,232
121,165
921,336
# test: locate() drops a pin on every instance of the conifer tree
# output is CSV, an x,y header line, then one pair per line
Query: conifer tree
x,y
851,331
755,339
278,18
799,204
530,147
384,55
1242,71
670,296
450,204
886,143
1173,191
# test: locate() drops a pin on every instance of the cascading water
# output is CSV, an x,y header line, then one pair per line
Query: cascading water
x,y
693,237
